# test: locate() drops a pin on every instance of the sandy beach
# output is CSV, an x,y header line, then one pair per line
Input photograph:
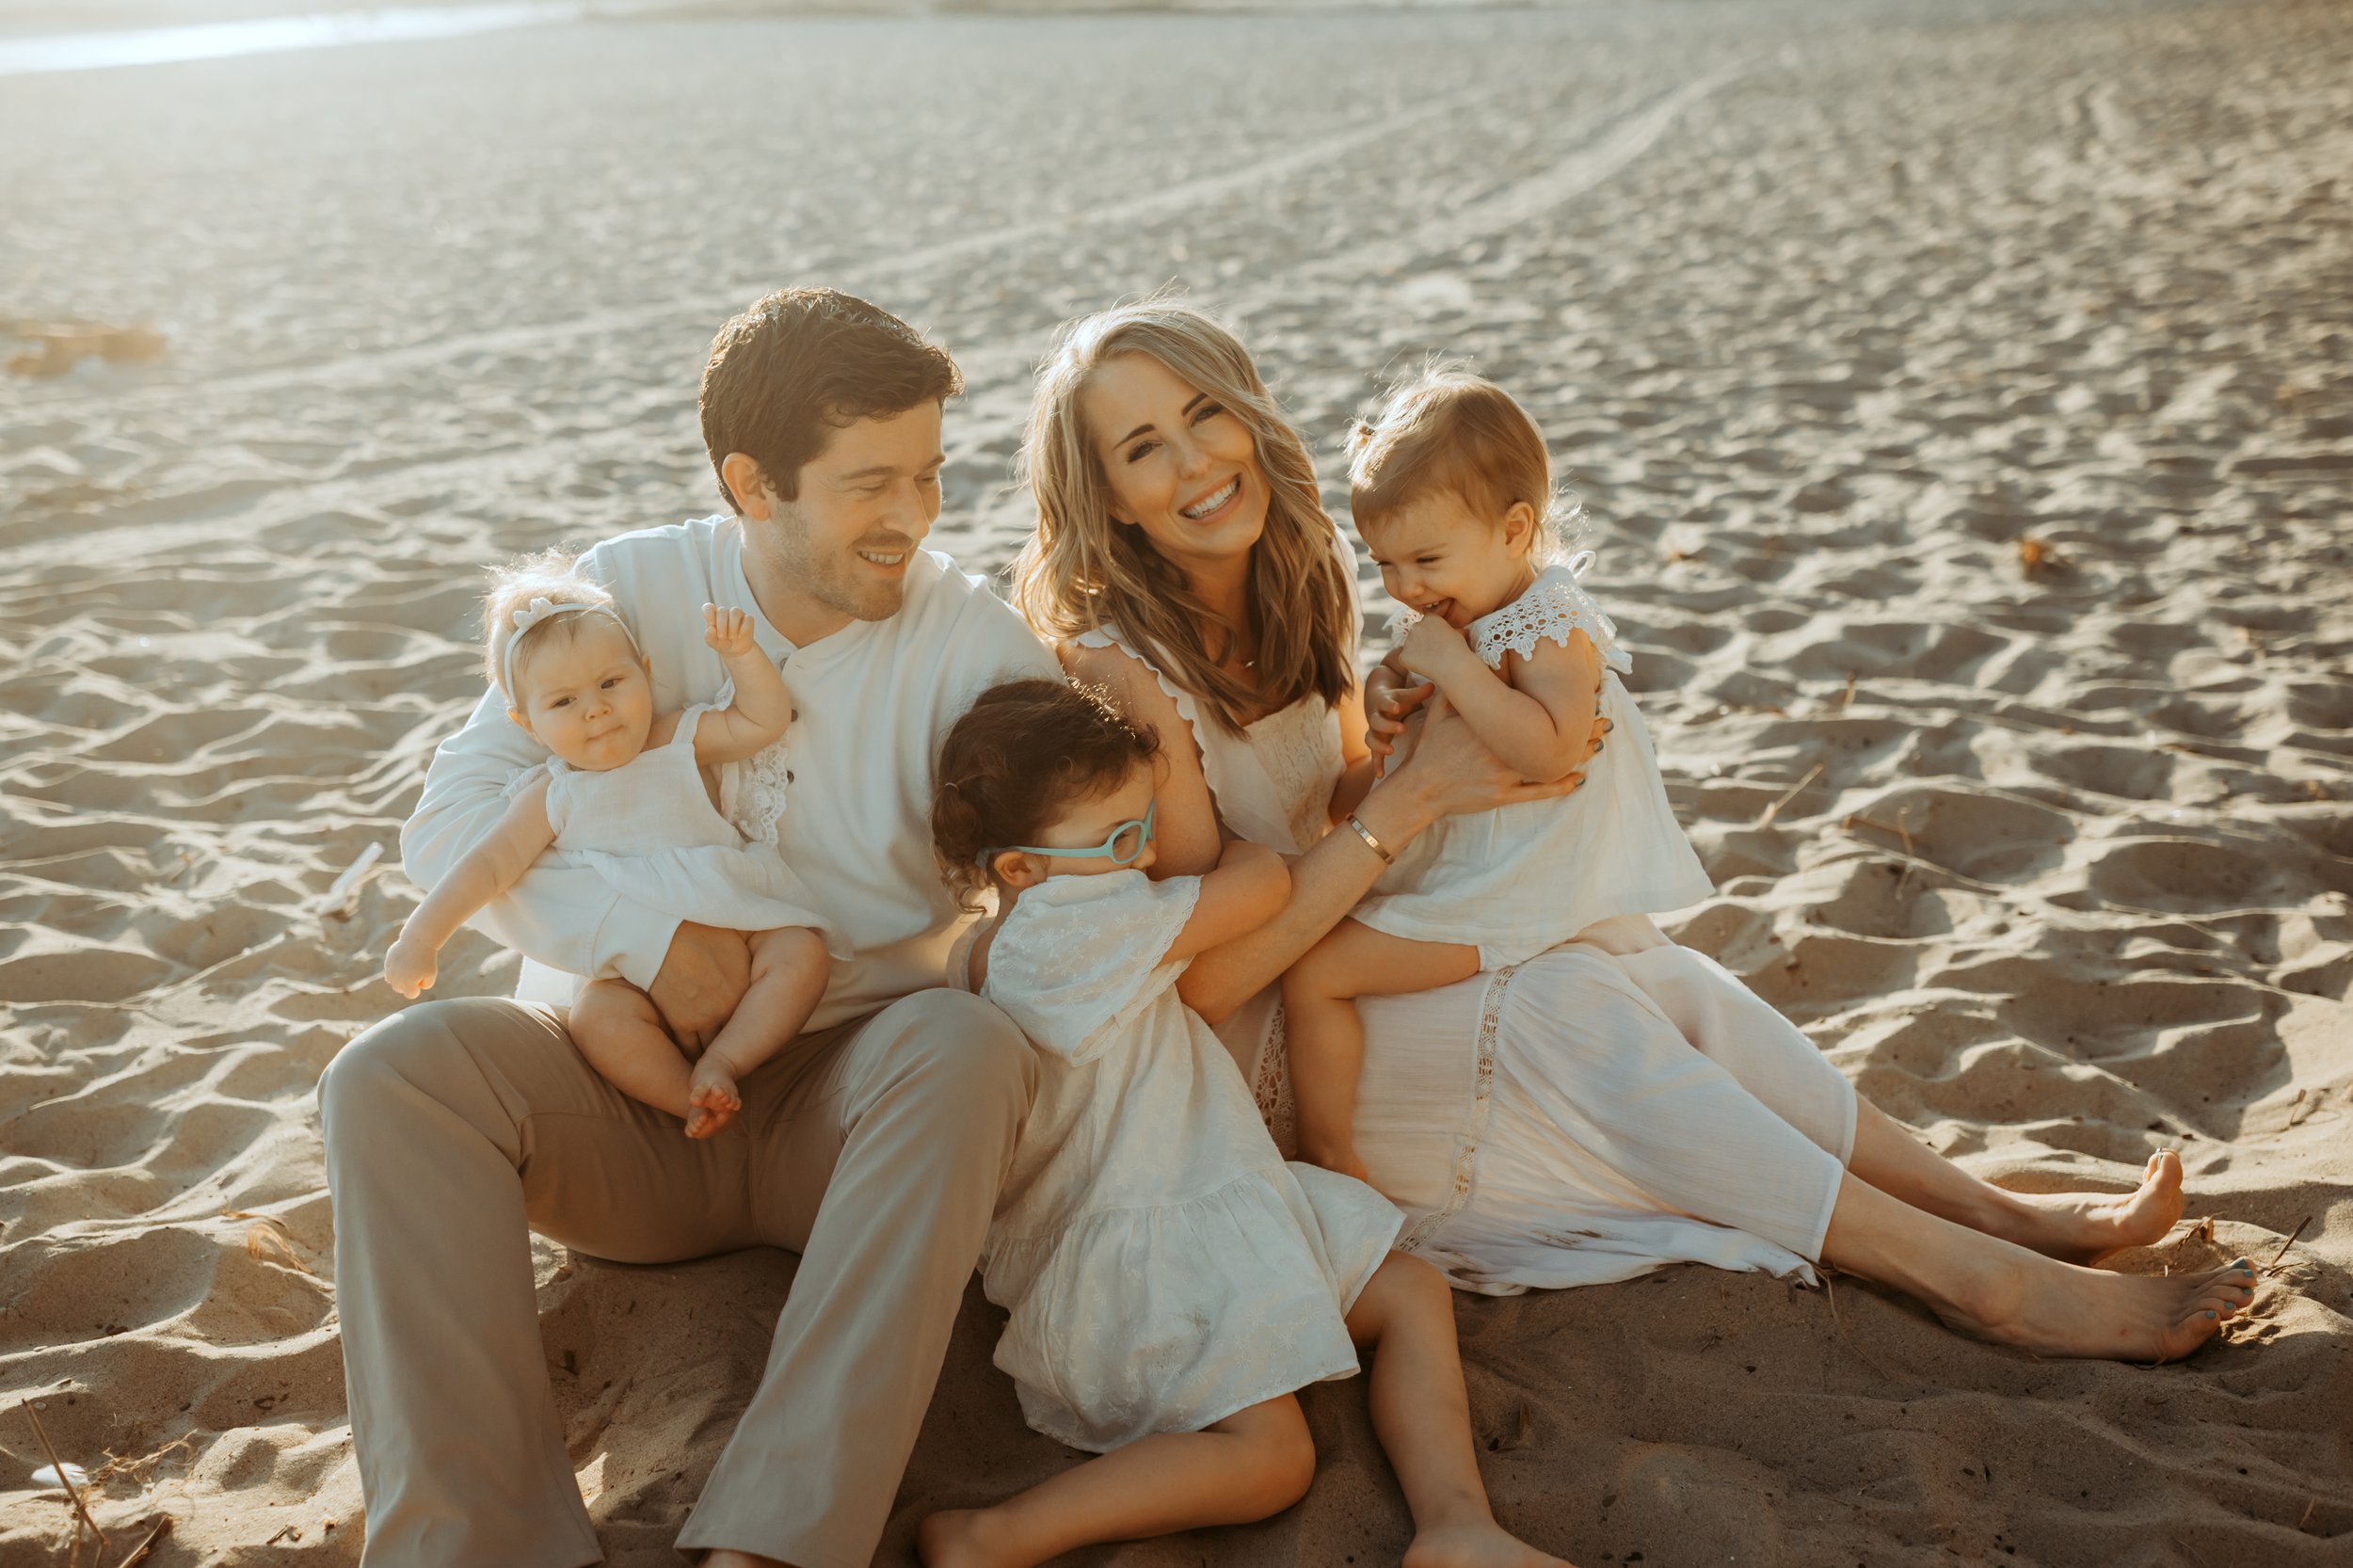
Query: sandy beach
x,y
1962,396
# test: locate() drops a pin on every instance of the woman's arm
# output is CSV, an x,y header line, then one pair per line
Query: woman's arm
x,y
482,873
1186,827
762,709
1544,728
1449,772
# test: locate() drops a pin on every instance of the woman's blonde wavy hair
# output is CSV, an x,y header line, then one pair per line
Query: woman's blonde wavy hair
x,y
1080,572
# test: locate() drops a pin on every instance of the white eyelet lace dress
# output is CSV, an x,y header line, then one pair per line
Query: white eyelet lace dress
x,y
648,828
1519,879
1585,1116
1164,1267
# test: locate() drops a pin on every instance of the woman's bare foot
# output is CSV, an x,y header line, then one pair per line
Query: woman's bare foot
x,y
1475,1545
956,1537
2055,1308
711,1100
2079,1227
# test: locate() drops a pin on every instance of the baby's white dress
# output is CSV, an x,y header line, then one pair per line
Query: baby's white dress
x,y
1164,1267
1521,879
648,828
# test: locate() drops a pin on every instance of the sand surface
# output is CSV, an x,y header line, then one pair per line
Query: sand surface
x,y
1826,307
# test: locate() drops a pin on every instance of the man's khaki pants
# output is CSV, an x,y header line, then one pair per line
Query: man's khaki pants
x,y
874,1149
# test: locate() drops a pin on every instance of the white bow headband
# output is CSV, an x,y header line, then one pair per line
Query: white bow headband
x,y
540,611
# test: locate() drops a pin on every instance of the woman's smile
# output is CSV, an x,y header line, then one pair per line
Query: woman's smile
x,y
1217,501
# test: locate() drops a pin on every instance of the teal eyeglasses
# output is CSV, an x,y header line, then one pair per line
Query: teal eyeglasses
x,y
1122,848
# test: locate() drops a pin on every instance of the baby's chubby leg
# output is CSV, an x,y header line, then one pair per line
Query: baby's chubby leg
x,y
620,1029
1326,1038
1254,1463
1405,1316
790,967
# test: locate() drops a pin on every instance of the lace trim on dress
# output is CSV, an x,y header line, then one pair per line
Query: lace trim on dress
x,y
1553,606
1475,1132
1273,1088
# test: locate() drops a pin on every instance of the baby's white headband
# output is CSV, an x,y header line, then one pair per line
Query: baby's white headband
x,y
542,610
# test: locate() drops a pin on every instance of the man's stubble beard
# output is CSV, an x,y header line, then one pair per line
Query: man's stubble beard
x,y
832,582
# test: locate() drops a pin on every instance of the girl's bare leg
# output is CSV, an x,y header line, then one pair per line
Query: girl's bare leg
x,y
1998,1289
2073,1226
620,1029
1246,1468
1405,1317
1326,1038
789,969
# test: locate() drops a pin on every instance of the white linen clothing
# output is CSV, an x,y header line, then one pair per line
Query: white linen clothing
x,y
1519,879
1162,1266
649,829
873,701
1586,1116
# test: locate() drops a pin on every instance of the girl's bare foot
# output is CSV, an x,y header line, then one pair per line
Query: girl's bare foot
x,y
956,1538
1475,1545
2061,1309
711,1100
2078,1227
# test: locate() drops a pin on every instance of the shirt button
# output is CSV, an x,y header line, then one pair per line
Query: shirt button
x,y
796,715
788,776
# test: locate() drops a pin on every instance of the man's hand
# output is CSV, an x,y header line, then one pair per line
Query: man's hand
x,y
703,976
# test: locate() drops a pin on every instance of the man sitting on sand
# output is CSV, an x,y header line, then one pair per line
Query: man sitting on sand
x,y
872,1146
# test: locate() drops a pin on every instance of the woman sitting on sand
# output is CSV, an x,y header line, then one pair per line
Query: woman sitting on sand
x,y
1585,1116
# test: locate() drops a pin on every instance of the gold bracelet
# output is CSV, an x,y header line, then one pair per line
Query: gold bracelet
x,y
1370,843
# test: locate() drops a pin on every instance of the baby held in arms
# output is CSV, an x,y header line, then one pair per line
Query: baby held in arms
x,y
1451,491
629,792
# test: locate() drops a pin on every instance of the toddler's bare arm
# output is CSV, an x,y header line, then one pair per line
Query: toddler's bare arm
x,y
1541,720
481,875
1249,888
762,709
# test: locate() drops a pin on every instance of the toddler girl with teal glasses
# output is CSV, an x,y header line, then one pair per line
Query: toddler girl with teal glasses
x,y
1171,1281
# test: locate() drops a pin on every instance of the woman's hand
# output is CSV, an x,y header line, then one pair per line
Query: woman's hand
x,y
1452,772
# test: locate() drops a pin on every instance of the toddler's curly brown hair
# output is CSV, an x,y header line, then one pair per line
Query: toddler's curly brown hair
x,y
1021,754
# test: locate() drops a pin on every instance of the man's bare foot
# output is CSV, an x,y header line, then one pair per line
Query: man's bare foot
x,y
2080,1227
1475,1545
959,1538
711,1100
2055,1308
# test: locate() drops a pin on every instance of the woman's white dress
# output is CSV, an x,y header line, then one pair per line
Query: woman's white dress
x,y
1520,879
1586,1116
649,829
1163,1265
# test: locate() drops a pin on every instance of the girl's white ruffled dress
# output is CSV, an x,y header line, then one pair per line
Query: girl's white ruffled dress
x,y
1519,880
648,828
1164,1267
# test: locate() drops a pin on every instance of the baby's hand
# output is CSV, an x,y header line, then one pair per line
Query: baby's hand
x,y
1386,713
1432,647
727,632
410,967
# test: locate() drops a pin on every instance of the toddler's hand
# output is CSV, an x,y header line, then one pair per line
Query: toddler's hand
x,y
1386,713
728,632
410,967
1432,647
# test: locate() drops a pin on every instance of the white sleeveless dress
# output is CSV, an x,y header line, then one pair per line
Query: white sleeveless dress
x,y
1163,1265
1520,879
1584,1117
648,828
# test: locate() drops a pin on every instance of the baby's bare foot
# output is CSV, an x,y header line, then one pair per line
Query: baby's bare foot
x,y
2082,1227
2060,1309
1475,1545
711,1100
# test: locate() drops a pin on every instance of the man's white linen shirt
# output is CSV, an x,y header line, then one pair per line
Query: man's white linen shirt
x,y
871,702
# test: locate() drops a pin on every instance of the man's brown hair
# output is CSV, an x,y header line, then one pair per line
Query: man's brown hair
x,y
802,363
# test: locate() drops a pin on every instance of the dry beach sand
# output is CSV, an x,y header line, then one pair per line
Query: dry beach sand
x,y
1964,398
